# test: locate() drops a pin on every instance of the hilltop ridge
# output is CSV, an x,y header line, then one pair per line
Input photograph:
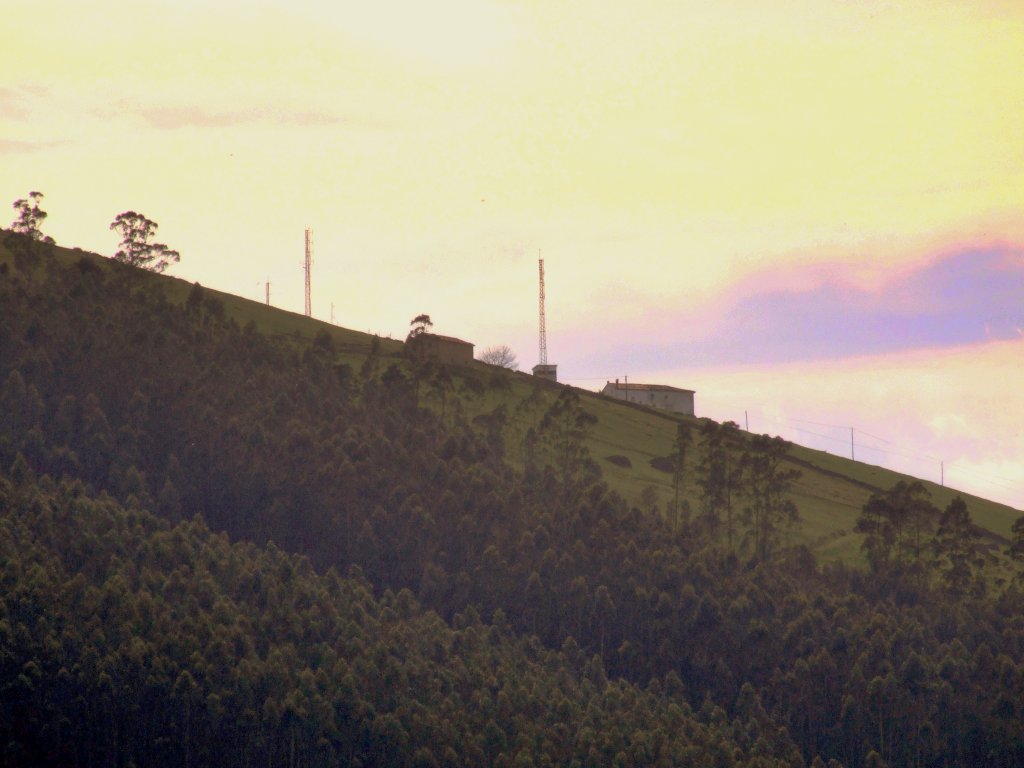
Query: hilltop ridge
x,y
232,460
830,492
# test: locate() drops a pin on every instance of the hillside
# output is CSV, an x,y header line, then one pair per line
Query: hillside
x,y
142,413
152,644
829,493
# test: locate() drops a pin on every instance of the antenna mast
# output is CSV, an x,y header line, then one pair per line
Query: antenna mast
x,y
542,369
543,330
309,263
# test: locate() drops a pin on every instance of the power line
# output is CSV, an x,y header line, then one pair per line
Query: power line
x,y
893,451
817,423
876,437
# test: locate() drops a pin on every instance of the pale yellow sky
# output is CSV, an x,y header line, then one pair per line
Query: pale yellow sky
x,y
660,155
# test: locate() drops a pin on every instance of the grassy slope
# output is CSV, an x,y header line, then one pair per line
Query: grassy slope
x,y
829,493
271,321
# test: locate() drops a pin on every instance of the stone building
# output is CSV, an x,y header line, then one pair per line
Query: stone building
x,y
655,395
442,349
547,371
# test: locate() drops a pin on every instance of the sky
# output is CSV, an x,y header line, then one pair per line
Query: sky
x,y
809,211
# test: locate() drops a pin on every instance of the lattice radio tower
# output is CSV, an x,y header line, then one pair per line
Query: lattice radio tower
x,y
543,330
543,369
309,264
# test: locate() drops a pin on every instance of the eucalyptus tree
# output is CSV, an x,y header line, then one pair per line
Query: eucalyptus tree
x,y
136,249
770,509
719,477
30,217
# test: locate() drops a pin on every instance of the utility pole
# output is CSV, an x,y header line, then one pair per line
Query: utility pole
x,y
309,264
852,456
268,291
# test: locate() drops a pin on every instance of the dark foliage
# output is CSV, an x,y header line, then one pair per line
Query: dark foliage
x,y
373,464
125,640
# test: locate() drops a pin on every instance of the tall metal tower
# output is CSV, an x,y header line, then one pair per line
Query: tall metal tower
x,y
309,264
542,369
543,330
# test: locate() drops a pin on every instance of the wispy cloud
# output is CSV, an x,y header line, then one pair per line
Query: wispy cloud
x,y
16,102
963,298
175,117
17,147
12,106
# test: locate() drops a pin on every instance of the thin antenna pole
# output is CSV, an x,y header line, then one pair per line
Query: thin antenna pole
x,y
332,313
852,456
268,291
309,264
746,420
543,330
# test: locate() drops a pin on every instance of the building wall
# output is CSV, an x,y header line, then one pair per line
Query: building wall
x,y
677,400
547,371
444,350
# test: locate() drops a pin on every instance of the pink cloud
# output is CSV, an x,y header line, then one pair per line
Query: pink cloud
x,y
816,313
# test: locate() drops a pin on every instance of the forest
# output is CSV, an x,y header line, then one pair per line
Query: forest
x,y
222,545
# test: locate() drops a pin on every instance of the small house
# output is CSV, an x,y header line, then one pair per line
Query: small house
x,y
442,349
654,395
547,371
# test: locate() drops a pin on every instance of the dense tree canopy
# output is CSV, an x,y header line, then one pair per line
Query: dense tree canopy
x,y
501,604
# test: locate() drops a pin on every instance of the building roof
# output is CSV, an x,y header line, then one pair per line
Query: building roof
x,y
439,337
647,387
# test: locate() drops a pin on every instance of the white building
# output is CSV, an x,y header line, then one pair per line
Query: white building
x,y
655,395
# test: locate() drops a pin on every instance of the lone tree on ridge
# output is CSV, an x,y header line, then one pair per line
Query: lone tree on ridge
x,y
420,324
30,216
136,249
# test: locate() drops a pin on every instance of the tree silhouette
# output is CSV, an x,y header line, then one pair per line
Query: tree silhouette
x,y
894,523
420,324
566,424
678,458
767,489
1016,548
719,477
136,249
954,545
502,356
30,216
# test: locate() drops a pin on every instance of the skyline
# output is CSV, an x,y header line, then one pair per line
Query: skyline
x,y
809,213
